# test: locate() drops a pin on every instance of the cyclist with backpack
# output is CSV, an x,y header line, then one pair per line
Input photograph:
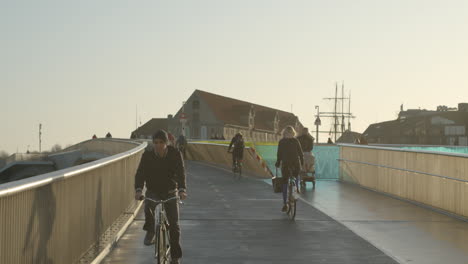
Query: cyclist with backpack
x,y
238,149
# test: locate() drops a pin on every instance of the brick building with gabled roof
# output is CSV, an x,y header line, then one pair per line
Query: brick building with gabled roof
x,y
212,116
423,127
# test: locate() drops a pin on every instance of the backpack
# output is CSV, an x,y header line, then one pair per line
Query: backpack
x,y
239,144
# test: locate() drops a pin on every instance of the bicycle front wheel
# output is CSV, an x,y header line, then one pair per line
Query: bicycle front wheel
x,y
162,247
291,202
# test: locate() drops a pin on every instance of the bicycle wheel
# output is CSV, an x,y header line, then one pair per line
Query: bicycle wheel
x,y
291,202
234,169
162,246
157,244
239,165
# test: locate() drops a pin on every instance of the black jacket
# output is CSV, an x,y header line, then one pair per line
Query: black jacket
x,y
239,146
307,142
161,175
289,153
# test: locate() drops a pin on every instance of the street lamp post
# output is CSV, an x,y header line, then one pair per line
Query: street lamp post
x,y
40,139
317,123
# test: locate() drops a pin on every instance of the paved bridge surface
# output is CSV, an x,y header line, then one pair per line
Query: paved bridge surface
x,y
239,221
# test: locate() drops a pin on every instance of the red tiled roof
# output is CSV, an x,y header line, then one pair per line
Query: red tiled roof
x,y
348,137
152,126
264,120
234,112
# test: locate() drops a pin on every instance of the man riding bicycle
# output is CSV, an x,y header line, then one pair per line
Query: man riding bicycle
x,y
238,150
162,170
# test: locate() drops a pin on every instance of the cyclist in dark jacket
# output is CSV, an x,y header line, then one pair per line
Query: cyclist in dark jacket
x,y
162,170
238,150
290,158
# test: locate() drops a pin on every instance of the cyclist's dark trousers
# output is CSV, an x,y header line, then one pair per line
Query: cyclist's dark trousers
x,y
236,156
289,171
172,212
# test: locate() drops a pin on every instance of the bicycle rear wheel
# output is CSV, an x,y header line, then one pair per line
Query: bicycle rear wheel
x,y
238,170
291,202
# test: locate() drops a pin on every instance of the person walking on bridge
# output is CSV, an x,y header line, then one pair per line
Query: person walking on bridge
x,y
306,140
290,158
181,144
162,170
307,144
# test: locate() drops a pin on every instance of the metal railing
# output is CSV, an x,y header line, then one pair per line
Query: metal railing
x,y
436,179
58,216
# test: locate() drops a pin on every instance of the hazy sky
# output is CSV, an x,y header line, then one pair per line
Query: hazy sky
x,y
81,67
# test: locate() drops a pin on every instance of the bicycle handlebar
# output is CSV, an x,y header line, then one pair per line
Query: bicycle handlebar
x,y
161,201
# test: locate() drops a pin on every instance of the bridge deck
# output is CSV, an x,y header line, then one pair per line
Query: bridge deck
x,y
230,221
409,233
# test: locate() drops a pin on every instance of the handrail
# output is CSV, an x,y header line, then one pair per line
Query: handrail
x,y
213,144
462,155
40,180
405,170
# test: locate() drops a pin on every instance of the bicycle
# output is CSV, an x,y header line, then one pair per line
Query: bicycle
x,y
237,167
291,200
162,247
292,195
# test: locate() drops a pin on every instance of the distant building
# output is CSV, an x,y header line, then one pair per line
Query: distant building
x,y
147,130
212,116
349,137
446,126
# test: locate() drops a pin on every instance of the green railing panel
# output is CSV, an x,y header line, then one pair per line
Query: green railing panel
x,y
326,159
